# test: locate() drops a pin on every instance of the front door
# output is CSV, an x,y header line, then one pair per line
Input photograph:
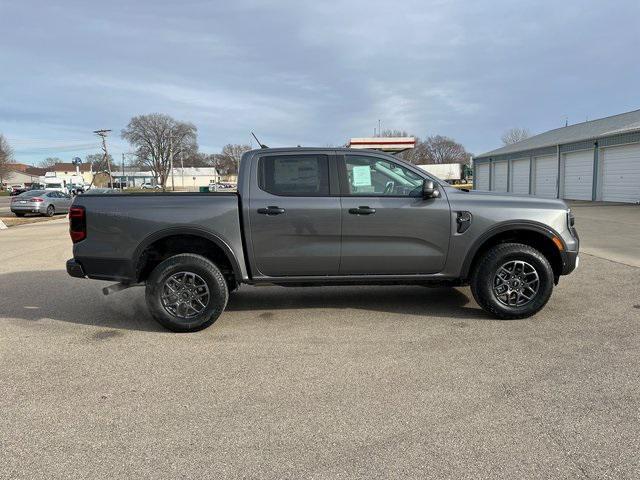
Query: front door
x,y
387,227
294,219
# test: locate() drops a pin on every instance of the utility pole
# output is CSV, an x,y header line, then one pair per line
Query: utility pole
x,y
182,168
121,184
173,183
105,153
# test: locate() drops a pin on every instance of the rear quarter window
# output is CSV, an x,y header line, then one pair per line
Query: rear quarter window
x,y
294,175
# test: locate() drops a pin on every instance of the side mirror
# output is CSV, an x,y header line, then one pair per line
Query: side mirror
x,y
429,190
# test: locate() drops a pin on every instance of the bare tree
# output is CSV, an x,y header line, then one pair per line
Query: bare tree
x,y
100,169
49,162
6,157
435,149
228,161
515,135
157,139
395,133
441,149
97,160
415,155
196,160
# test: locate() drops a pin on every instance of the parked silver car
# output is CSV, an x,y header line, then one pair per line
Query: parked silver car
x,y
43,202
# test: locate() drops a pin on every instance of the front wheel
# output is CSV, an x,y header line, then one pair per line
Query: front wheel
x,y
512,280
186,293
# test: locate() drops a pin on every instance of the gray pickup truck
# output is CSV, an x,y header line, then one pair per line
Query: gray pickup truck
x,y
323,216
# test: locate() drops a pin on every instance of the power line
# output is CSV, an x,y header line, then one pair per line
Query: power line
x,y
67,148
65,141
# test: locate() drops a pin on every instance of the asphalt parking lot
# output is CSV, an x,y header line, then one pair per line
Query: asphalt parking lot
x,y
5,202
345,382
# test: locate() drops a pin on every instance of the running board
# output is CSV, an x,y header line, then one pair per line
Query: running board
x,y
117,287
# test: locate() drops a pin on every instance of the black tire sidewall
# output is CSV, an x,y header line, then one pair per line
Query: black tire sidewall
x,y
482,284
218,292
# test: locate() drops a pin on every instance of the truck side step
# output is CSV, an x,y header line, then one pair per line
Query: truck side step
x,y
117,287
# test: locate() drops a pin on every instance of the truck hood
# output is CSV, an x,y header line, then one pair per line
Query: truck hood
x,y
507,199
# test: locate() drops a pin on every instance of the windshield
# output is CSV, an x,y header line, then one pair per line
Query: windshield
x,y
54,185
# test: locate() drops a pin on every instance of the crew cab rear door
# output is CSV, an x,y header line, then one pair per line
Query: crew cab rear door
x,y
294,214
388,228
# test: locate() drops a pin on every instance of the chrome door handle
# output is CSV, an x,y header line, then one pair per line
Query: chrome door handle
x,y
271,210
362,211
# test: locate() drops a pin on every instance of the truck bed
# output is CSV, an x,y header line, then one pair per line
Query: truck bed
x,y
121,226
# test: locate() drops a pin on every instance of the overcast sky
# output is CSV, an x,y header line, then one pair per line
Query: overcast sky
x,y
310,73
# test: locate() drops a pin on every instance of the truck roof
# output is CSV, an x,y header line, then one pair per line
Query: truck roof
x,y
316,149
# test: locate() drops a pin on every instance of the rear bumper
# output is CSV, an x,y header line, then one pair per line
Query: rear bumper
x,y
75,269
25,209
112,269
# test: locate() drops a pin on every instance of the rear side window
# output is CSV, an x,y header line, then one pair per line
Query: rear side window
x,y
294,175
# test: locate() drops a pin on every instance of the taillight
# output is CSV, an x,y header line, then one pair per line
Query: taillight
x,y
77,224
37,199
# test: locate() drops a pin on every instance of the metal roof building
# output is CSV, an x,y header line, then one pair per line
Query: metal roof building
x,y
594,160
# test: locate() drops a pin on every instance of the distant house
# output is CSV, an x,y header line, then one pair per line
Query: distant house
x,y
192,178
69,169
185,179
22,174
189,178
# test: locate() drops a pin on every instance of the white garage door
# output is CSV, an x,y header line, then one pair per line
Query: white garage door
x,y
621,174
482,176
578,175
500,175
520,176
546,176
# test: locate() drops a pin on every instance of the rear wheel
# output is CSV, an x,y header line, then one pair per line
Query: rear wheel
x,y
512,280
51,210
18,214
186,293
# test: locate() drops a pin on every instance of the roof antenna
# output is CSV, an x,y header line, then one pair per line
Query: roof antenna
x,y
262,145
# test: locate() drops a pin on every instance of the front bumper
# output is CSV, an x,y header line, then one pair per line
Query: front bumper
x,y
570,261
75,269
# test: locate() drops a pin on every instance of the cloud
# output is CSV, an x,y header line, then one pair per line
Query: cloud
x,y
316,72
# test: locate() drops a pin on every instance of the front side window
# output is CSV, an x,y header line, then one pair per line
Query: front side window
x,y
372,176
294,175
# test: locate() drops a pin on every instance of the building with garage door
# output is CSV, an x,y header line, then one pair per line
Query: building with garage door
x,y
595,160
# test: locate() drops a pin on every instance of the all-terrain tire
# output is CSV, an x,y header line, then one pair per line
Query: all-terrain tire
x,y
483,279
206,270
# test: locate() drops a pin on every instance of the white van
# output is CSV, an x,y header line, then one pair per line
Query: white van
x,y
55,186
